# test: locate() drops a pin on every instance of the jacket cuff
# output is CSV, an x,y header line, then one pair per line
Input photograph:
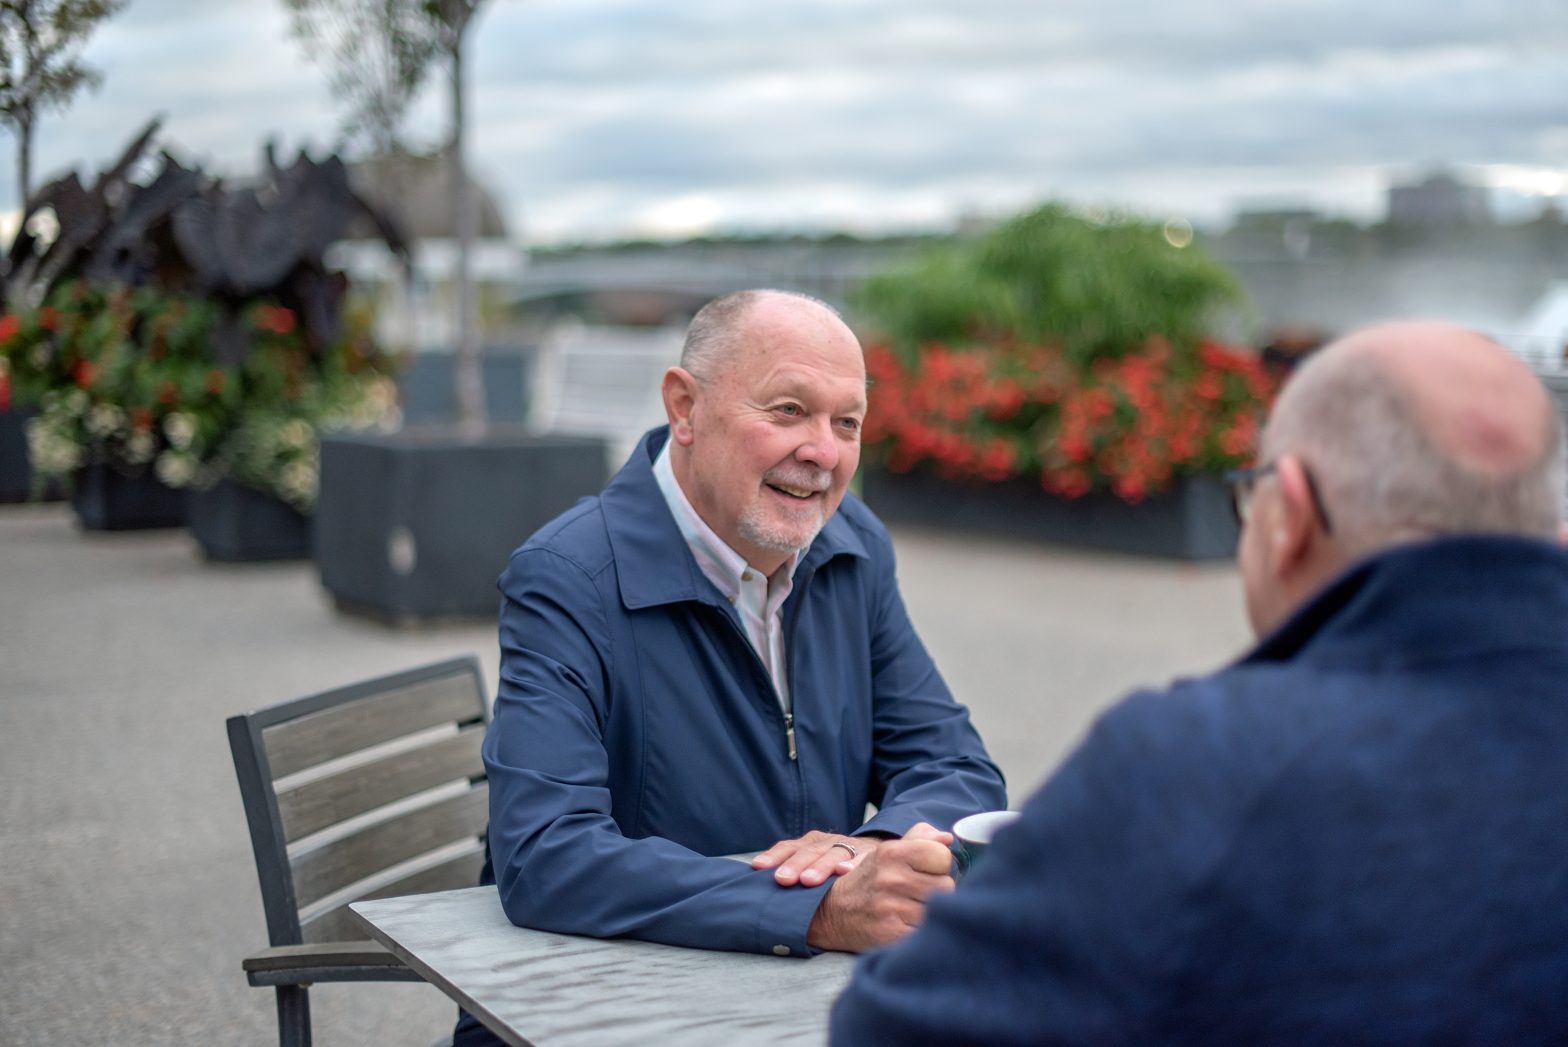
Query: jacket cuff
x,y
785,918
894,823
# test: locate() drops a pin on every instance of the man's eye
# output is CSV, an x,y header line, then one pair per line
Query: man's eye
x,y
849,423
790,409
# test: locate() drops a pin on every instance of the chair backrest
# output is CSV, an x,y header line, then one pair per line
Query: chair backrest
x,y
603,381
366,791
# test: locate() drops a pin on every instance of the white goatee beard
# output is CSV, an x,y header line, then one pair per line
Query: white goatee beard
x,y
756,527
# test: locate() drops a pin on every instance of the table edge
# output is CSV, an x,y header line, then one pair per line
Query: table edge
x,y
430,975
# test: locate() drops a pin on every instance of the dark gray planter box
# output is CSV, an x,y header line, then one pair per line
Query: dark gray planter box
x,y
106,500
1192,521
419,524
16,475
235,524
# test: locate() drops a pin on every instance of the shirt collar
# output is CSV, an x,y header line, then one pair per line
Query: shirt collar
x,y
723,565
641,529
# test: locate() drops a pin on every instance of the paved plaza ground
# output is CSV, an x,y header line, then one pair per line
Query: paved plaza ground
x,y
127,888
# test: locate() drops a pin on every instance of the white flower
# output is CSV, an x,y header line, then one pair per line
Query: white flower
x,y
104,420
140,447
38,357
176,469
296,433
299,482
50,451
76,402
180,429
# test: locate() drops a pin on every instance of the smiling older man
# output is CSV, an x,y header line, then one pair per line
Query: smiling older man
x,y
711,658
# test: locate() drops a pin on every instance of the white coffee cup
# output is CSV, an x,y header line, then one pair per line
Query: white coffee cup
x,y
974,834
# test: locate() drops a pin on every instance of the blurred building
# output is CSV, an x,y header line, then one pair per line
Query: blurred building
x,y
1441,200
1440,253
418,311
654,284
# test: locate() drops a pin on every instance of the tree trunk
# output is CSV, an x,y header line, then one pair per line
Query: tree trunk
x,y
24,160
469,374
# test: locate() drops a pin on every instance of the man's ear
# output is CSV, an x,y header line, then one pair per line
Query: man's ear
x,y
1294,528
680,402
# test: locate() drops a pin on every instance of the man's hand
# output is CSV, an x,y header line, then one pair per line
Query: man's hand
x,y
884,896
810,860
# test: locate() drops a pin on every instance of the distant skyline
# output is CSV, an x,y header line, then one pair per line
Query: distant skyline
x,y
607,119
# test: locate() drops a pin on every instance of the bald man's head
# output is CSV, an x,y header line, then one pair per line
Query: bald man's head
x,y
1423,428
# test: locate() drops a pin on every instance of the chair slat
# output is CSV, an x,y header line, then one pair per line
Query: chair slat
x,y
376,718
330,800
336,865
460,871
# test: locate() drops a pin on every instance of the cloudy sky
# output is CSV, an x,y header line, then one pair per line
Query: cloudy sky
x,y
604,118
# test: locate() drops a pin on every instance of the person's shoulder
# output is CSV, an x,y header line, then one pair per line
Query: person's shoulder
x,y
1241,719
575,541
864,526
1214,710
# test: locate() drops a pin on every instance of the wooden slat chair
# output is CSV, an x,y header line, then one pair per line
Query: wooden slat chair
x,y
367,791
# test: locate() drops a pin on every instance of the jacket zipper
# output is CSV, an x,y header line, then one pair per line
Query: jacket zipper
x,y
789,715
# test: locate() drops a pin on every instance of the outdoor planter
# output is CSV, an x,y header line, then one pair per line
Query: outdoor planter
x,y
106,500
419,524
16,477
1191,521
235,524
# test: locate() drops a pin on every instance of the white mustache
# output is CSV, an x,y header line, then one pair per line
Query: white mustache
x,y
804,480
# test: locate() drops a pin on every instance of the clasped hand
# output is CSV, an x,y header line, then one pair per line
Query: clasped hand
x,y
811,859
881,890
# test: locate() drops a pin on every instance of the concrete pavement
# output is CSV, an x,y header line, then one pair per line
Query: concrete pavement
x,y
127,889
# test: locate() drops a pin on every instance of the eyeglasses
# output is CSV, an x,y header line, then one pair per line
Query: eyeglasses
x,y
1241,482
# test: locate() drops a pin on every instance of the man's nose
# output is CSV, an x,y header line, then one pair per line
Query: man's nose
x,y
820,448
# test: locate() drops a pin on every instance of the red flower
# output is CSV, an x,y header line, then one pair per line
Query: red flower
x,y
84,374
1005,409
274,319
1130,487
215,381
168,393
9,325
48,318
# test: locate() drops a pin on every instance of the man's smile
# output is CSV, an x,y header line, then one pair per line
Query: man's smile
x,y
800,493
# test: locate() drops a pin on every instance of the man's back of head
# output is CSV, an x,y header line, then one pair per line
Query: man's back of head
x,y
1395,433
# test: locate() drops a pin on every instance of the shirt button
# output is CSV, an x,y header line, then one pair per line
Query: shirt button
x,y
781,950
745,576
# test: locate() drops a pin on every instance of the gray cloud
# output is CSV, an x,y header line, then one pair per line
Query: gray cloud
x,y
590,115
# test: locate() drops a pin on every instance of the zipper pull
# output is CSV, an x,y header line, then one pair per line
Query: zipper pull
x,y
789,734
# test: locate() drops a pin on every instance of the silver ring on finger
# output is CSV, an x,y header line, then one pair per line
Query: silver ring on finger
x,y
840,843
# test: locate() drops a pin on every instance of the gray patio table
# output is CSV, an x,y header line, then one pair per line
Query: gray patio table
x,y
538,989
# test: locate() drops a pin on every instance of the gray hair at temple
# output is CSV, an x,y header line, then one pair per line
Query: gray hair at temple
x,y
1380,474
713,331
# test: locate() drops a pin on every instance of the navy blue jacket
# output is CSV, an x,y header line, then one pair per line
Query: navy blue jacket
x,y
637,735
1357,834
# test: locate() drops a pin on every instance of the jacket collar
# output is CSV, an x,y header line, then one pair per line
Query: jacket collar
x,y
1440,598
652,561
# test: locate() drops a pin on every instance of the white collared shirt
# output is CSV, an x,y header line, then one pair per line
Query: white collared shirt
x,y
758,599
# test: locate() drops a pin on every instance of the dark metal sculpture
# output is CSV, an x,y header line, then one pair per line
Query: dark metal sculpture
x,y
184,231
